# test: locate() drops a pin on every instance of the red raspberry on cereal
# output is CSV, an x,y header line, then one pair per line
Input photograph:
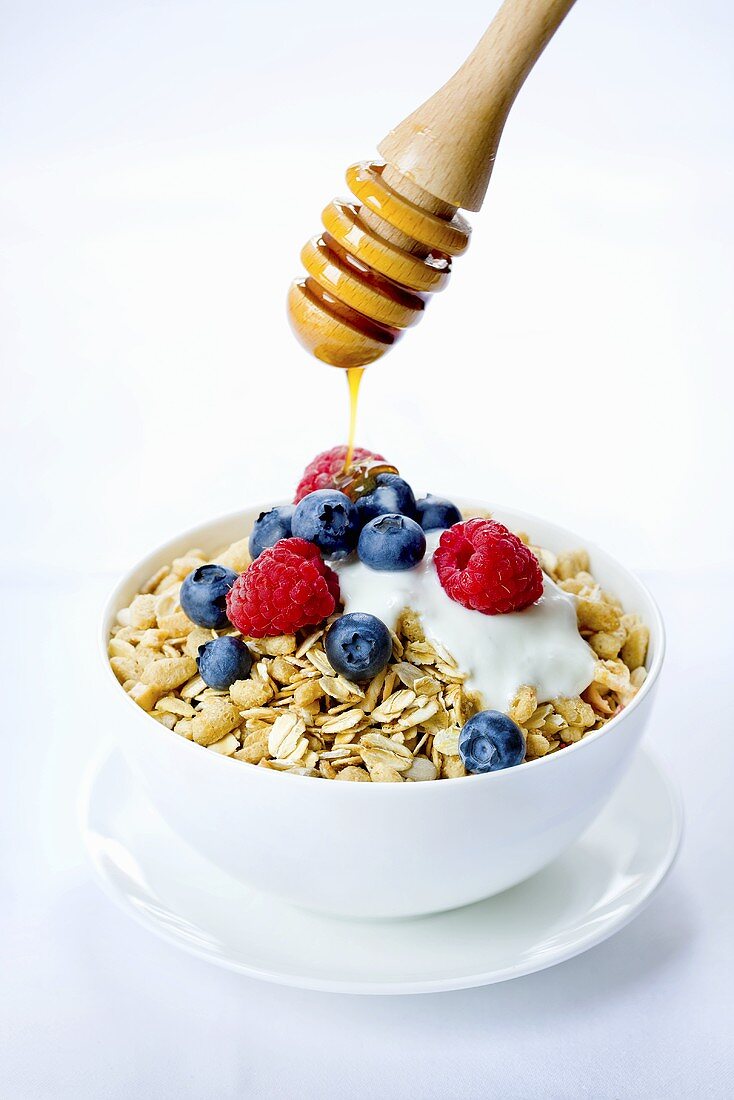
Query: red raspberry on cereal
x,y
286,588
484,567
322,472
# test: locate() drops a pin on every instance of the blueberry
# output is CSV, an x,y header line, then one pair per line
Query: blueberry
x,y
270,527
329,519
222,661
434,513
391,542
491,741
358,646
204,593
390,495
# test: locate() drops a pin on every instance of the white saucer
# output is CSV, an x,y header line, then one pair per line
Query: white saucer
x,y
592,891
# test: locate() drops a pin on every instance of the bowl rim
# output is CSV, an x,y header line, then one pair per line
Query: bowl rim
x,y
656,626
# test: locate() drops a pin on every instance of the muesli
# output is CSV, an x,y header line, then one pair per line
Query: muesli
x,y
362,635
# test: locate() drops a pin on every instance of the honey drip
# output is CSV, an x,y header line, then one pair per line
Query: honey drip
x,y
354,379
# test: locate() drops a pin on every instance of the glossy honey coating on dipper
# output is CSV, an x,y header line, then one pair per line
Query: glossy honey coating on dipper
x,y
369,272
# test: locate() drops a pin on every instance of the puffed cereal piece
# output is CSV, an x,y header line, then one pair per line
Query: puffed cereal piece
x,y
247,694
596,615
144,655
282,671
186,564
613,675
167,720
536,745
572,562
199,636
638,677
125,668
547,560
575,712
282,645
410,626
609,597
306,693
145,695
607,643
634,650
168,673
254,747
142,612
583,585
170,617
184,728
524,704
453,767
214,720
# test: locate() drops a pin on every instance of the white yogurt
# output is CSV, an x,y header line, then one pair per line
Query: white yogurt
x,y
540,645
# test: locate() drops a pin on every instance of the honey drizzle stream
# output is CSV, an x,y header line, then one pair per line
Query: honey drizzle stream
x,y
354,378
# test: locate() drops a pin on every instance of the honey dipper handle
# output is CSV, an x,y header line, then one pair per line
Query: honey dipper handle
x,y
448,145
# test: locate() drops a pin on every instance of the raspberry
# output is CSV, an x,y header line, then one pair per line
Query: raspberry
x,y
287,587
483,566
322,472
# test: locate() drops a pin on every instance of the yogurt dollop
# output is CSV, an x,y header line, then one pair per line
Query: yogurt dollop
x,y
540,645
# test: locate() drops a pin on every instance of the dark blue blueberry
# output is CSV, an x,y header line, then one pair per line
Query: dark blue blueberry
x,y
434,513
270,527
390,495
329,519
358,646
222,661
490,741
393,542
204,593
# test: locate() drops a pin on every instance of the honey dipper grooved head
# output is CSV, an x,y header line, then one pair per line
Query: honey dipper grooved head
x,y
369,272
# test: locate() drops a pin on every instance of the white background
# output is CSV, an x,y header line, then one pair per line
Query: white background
x,y
160,167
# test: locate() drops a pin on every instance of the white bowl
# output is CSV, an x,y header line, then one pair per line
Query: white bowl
x,y
381,850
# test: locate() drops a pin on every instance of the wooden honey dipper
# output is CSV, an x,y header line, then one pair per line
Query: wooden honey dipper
x,y
377,260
